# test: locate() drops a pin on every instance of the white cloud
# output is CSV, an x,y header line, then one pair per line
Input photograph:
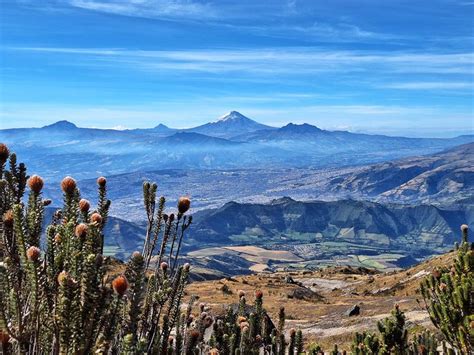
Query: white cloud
x,y
270,61
431,85
149,8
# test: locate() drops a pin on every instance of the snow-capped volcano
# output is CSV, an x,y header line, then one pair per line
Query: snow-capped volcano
x,y
234,116
230,125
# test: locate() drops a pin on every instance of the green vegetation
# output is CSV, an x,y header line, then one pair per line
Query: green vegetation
x,y
60,301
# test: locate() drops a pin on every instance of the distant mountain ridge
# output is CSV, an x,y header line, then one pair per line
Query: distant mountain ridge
x,y
232,142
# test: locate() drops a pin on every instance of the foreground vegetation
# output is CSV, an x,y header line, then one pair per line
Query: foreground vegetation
x,y
59,300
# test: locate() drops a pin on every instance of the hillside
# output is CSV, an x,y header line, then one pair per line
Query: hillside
x,y
428,179
317,301
288,234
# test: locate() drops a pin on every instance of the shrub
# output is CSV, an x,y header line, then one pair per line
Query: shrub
x,y
59,300
449,297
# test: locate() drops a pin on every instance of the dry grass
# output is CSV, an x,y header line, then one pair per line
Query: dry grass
x,y
325,321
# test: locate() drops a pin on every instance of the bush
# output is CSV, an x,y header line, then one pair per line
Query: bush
x,y
59,301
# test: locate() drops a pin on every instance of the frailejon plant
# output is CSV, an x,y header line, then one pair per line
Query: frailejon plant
x,y
449,297
59,301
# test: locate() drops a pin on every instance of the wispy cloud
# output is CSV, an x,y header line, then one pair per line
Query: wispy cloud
x,y
275,60
149,8
431,85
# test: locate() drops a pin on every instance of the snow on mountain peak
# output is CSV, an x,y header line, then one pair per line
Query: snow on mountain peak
x,y
232,115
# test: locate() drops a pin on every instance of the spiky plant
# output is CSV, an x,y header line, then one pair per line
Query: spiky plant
x,y
449,298
60,301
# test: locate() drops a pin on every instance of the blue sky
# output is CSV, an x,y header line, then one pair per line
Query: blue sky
x,y
392,67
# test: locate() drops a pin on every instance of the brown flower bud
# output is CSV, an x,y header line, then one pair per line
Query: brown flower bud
x,y
84,205
47,202
186,267
58,239
96,218
136,255
8,218
183,204
101,181
241,319
171,217
164,266
63,277
464,227
292,332
194,335
33,253
4,153
35,183
81,230
258,294
208,321
120,285
68,185
241,293
4,338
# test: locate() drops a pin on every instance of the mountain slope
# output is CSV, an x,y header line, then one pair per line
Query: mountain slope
x,y
286,222
438,178
230,125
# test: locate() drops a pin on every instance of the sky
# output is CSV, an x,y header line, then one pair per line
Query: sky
x,y
394,67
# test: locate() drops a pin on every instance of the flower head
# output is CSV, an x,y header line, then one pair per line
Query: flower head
x,y
33,253
258,294
84,205
101,181
68,185
120,285
96,218
63,277
81,230
58,239
183,204
137,256
4,338
241,293
164,266
186,267
4,153
8,218
35,183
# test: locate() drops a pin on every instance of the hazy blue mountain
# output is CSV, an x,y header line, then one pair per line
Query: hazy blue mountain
x,y
63,148
230,125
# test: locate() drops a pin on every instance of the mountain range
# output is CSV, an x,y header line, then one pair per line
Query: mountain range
x,y
232,142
